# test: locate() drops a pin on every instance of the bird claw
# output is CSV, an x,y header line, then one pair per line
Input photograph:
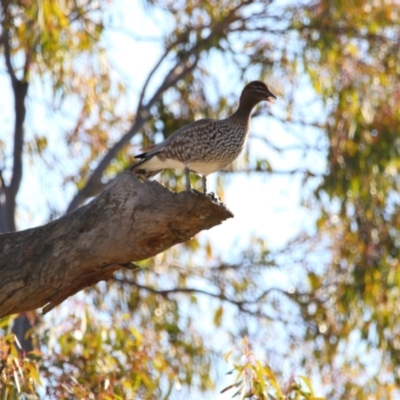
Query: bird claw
x,y
196,192
213,196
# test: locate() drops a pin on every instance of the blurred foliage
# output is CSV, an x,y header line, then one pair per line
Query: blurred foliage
x,y
19,373
256,380
91,360
350,54
162,330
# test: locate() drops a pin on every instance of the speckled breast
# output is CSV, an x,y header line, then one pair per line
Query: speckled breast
x,y
220,142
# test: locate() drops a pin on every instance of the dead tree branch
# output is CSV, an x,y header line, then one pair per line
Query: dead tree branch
x,y
129,221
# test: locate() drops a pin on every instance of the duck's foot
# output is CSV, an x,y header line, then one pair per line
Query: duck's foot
x,y
213,197
196,192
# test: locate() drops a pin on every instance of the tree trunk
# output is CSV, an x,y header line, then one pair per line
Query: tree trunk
x,y
129,221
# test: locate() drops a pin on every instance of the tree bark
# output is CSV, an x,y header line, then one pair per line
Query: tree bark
x,y
129,221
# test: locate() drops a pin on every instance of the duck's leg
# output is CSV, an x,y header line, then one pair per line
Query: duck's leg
x,y
204,181
187,177
188,186
211,194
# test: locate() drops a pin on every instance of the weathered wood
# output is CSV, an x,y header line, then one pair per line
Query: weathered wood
x,y
129,221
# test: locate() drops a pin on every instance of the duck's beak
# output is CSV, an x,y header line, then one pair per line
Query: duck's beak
x,y
270,97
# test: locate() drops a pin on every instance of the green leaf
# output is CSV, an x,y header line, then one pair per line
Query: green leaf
x,y
218,316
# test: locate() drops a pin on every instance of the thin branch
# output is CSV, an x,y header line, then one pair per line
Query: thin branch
x,y
241,305
27,64
131,34
3,185
167,292
178,72
80,13
301,147
20,90
149,76
7,49
275,171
